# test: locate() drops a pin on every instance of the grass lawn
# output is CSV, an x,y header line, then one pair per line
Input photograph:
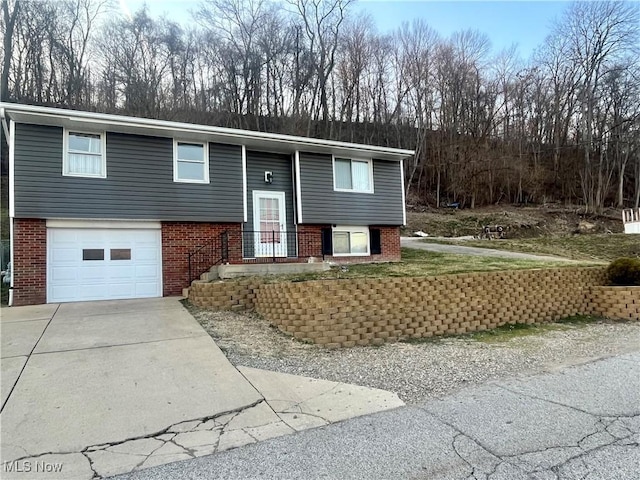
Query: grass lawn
x,y
518,330
591,247
420,263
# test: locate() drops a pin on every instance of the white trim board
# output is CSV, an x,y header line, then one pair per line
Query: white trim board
x,y
12,159
245,201
404,201
297,181
109,224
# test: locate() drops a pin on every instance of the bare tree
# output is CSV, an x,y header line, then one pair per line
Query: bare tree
x,y
322,20
600,33
9,17
564,125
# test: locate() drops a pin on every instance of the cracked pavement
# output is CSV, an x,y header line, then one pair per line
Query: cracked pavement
x,y
580,422
96,389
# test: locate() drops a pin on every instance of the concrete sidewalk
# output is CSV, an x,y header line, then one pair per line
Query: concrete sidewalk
x,y
100,388
419,244
581,422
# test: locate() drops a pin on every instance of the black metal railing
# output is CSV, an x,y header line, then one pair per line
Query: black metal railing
x,y
271,246
214,252
265,246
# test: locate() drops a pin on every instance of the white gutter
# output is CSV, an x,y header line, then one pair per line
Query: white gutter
x,y
10,303
11,260
12,154
4,122
404,201
241,135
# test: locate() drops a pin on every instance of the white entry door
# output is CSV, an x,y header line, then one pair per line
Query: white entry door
x,y
269,224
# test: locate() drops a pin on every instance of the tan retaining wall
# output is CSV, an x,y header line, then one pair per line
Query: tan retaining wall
x,y
344,313
225,295
616,302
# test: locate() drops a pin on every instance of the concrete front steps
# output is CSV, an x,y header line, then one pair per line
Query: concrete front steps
x,y
257,270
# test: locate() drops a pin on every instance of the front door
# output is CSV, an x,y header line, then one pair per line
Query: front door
x,y
269,224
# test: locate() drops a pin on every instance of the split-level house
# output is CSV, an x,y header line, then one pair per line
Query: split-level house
x,y
113,207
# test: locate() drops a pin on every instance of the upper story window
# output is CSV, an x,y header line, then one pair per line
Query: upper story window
x,y
84,154
190,162
351,175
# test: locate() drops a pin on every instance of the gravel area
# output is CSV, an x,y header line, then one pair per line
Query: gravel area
x,y
419,371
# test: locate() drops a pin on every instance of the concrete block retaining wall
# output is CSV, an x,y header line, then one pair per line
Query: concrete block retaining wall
x,y
344,313
349,312
616,302
237,294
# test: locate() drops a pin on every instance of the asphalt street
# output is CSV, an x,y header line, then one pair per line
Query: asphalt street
x,y
580,422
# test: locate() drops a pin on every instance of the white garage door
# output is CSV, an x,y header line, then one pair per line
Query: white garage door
x,y
103,264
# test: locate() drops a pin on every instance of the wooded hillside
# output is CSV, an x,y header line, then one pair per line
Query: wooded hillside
x,y
487,126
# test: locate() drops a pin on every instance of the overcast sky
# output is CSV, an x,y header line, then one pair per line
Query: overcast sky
x,y
506,22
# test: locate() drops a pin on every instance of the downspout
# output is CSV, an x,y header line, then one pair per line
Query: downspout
x,y
11,257
10,135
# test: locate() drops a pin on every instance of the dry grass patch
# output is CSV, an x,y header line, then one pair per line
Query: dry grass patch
x,y
421,263
593,247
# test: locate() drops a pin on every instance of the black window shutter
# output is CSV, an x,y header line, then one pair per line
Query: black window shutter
x,y
375,243
327,241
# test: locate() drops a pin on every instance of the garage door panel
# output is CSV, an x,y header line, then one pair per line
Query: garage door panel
x,y
122,290
92,292
145,289
129,264
146,236
67,254
64,275
123,273
62,291
93,236
146,254
63,236
146,272
92,274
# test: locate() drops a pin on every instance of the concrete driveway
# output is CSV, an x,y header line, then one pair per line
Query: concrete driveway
x,y
99,388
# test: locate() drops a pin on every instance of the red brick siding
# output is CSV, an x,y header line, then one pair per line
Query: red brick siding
x,y
178,239
29,261
310,241
389,238
181,238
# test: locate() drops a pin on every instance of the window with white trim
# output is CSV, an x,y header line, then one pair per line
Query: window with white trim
x,y
190,162
350,241
351,175
84,154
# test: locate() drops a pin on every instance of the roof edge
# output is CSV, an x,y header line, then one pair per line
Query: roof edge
x,y
123,120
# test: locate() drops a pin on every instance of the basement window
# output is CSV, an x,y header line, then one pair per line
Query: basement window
x,y
351,241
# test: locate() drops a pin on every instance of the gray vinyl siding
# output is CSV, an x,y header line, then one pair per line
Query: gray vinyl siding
x,y
321,204
281,166
139,183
